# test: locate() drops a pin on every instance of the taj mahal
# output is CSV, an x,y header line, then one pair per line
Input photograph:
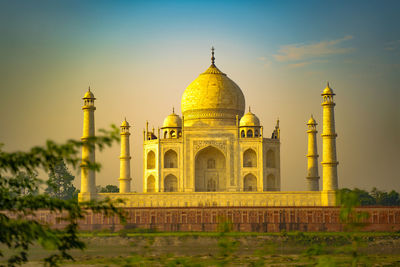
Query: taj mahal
x,y
215,153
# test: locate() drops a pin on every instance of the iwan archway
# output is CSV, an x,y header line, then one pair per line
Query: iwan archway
x,y
210,170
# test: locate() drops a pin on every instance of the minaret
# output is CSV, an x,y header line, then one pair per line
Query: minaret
x,y
329,161
276,134
125,158
88,176
312,156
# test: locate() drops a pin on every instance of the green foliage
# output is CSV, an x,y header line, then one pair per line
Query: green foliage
x,y
60,184
227,244
386,199
19,198
224,225
108,189
348,201
375,197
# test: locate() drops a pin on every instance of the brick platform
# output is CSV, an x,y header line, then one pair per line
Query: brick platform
x,y
245,219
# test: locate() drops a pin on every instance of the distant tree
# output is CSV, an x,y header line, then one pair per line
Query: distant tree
x,y
364,197
109,189
375,197
60,184
385,199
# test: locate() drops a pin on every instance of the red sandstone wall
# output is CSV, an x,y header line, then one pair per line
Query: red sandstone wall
x,y
245,219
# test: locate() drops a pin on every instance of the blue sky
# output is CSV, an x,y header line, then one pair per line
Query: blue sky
x,y
139,56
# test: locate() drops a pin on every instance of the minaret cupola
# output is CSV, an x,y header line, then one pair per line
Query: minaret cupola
x,y
249,126
172,126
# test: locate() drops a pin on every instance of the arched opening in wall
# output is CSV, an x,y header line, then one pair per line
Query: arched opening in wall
x,y
151,160
242,134
210,170
270,159
256,133
179,134
165,134
249,133
151,184
271,182
250,183
249,158
170,159
170,183
172,134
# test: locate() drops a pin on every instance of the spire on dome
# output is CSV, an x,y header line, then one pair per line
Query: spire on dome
x,y
89,95
328,90
125,123
212,55
311,121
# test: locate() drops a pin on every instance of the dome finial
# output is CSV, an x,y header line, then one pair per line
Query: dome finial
x,y
89,88
327,84
249,109
173,110
212,55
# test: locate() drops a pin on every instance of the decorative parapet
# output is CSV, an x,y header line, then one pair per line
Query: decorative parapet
x,y
225,199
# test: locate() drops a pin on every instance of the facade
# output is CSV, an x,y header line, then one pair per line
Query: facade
x,y
215,154
213,147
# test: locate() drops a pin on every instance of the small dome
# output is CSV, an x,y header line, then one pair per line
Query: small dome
x,y
88,94
172,120
312,121
125,124
249,119
328,90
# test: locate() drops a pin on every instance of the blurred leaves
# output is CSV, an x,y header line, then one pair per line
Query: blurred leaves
x,y
20,199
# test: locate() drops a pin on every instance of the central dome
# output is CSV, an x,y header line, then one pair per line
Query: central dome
x,y
212,99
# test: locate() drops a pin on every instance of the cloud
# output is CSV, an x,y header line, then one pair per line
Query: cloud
x,y
305,63
393,45
304,52
266,61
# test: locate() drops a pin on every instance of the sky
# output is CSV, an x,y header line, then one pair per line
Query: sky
x,y
139,56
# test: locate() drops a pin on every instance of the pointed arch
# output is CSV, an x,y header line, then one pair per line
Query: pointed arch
x,y
249,133
170,159
151,184
249,158
170,183
210,170
151,160
250,183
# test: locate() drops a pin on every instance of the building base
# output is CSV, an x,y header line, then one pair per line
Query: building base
x,y
225,199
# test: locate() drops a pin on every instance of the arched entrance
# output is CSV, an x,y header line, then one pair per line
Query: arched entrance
x,y
210,170
151,184
170,183
170,159
249,158
250,183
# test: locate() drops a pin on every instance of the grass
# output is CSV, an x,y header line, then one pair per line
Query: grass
x,y
130,248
